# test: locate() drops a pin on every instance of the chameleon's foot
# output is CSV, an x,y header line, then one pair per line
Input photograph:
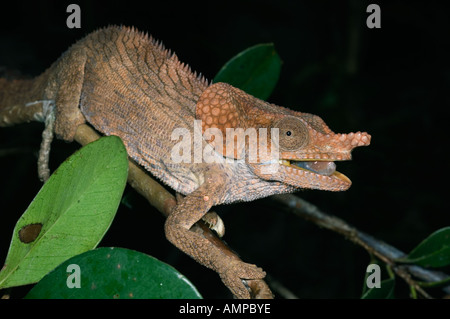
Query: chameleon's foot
x,y
234,271
215,223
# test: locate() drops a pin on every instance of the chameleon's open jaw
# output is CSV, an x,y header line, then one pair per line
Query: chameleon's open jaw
x,y
316,167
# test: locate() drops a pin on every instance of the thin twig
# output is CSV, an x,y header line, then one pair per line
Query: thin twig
x,y
20,113
280,289
404,273
378,248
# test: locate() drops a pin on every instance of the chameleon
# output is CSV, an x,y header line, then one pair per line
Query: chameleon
x,y
123,82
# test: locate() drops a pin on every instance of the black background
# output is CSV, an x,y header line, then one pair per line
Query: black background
x,y
392,82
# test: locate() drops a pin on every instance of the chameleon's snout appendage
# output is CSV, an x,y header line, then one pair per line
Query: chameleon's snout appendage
x,y
317,169
352,140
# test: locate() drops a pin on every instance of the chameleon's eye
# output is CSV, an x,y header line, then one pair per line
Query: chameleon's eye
x,y
293,133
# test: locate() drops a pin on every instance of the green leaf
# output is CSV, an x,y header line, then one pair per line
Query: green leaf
x,y
107,273
386,290
255,70
434,251
70,214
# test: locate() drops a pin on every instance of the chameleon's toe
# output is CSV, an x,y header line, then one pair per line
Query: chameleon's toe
x,y
215,223
235,272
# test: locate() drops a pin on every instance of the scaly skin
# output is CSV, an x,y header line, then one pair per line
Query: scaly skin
x,y
125,83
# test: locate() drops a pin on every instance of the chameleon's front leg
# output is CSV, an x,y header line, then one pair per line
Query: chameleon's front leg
x,y
178,231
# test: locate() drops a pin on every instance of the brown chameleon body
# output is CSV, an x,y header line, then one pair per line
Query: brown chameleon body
x,y
125,83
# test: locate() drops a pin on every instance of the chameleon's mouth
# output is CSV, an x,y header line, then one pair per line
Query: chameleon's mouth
x,y
324,168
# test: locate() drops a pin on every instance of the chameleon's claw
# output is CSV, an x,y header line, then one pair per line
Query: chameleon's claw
x,y
215,223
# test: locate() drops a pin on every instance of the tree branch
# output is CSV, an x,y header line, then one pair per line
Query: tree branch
x,y
20,113
385,252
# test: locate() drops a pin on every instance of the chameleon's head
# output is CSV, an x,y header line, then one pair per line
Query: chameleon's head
x,y
278,144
